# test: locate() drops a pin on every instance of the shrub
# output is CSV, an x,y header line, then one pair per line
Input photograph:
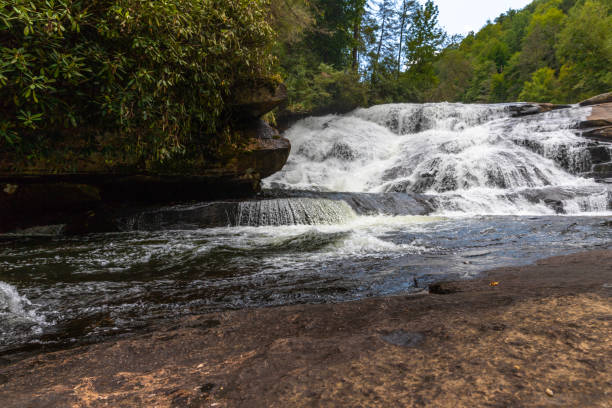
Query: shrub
x,y
158,73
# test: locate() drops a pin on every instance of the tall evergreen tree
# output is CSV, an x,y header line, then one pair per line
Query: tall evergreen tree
x,y
425,37
386,16
406,10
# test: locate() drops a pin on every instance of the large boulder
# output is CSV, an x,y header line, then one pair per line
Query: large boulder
x,y
596,100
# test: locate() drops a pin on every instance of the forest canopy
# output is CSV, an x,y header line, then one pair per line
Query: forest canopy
x,y
158,73
161,73
353,52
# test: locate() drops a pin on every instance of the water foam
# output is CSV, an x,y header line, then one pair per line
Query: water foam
x,y
293,211
17,314
468,158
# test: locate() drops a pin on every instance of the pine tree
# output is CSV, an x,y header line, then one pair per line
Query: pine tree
x,y
425,37
405,14
386,15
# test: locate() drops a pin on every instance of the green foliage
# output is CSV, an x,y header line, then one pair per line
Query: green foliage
x,y
542,87
454,71
159,73
585,50
552,50
539,43
325,90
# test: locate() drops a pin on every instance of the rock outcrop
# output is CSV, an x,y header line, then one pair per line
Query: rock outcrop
x,y
598,125
596,100
530,108
84,173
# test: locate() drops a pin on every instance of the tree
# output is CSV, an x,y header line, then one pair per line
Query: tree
x,y
290,19
386,16
455,72
357,13
405,14
539,43
158,74
585,50
424,36
542,87
424,41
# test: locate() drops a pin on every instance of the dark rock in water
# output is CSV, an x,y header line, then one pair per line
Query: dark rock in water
x,y
596,100
600,154
94,221
603,133
603,168
526,109
445,288
403,338
602,172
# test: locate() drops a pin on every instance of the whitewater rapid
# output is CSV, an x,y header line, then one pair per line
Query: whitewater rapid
x,y
380,201
470,159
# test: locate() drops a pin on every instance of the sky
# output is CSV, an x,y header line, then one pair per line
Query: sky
x,y
463,16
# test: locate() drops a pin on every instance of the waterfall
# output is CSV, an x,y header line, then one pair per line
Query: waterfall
x,y
467,158
255,213
293,211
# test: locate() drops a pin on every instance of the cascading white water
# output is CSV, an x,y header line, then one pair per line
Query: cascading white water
x,y
293,211
469,158
16,313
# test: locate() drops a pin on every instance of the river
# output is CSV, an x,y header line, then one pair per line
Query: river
x,y
380,201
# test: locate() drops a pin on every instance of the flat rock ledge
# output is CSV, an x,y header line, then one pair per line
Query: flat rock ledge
x,y
532,336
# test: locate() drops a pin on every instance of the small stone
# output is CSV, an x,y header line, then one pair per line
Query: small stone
x,y
549,392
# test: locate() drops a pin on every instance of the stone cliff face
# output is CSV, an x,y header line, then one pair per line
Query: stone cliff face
x,y
80,174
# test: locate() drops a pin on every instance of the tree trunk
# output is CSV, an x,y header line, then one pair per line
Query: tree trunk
x,y
380,42
406,5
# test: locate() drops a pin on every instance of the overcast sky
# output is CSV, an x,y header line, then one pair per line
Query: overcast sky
x,y
463,16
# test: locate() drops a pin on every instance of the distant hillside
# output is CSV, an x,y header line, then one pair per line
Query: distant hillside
x,y
550,51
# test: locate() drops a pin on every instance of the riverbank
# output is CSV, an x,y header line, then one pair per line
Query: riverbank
x,y
537,335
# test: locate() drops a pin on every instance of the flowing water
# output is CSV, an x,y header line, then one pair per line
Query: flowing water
x,y
380,201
